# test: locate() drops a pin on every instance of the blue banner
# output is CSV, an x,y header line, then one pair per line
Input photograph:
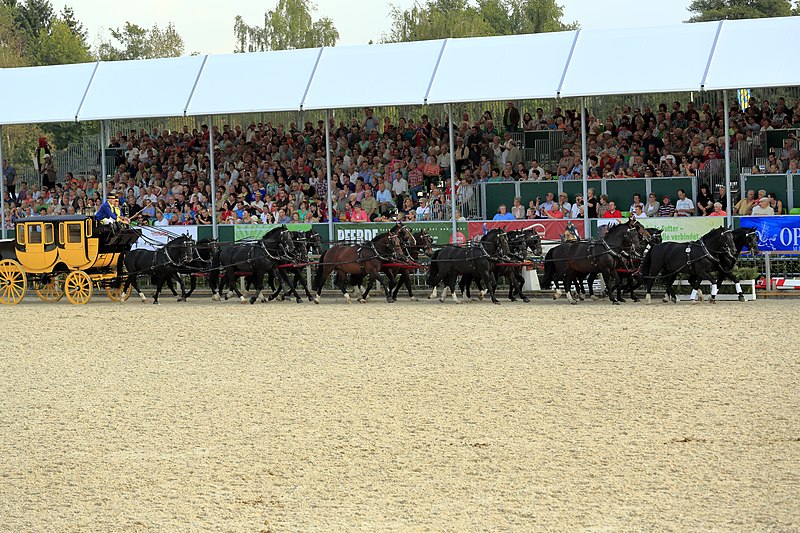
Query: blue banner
x,y
775,234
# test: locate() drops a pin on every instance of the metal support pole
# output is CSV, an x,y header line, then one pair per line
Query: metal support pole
x,y
768,271
727,158
2,189
454,239
328,167
103,163
213,179
587,228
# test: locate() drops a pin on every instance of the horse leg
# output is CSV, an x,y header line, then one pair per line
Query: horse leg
x,y
521,284
232,288
491,283
612,281
171,286
282,274
298,277
323,276
192,286
133,279
634,282
182,297
160,279
341,278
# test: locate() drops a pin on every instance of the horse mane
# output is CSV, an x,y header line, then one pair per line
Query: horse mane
x,y
270,233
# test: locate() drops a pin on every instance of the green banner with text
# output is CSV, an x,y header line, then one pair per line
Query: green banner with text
x,y
256,231
678,229
441,232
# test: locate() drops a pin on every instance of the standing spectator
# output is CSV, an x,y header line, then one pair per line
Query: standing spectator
x,y
684,207
10,175
511,117
591,203
705,203
49,172
666,209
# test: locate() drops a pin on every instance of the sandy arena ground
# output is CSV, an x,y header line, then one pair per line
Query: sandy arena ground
x,y
403,417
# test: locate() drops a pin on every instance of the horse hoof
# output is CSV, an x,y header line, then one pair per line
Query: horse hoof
x,y
414,299
694,302
665,300
635,299
441,300
316,300
271,298
526,300
581,297
648,298
156,302
362,301
594,297
299,300
621,300
741,297
712,300
615,302
310,298
674,300
496,302
573,302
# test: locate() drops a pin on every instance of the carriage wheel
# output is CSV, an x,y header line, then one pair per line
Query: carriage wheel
x,y
78,287
53,290
13,282
115,294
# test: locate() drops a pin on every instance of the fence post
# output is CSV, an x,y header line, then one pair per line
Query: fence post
x,y
768,271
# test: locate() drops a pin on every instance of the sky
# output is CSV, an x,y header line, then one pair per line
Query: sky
x,y
207,25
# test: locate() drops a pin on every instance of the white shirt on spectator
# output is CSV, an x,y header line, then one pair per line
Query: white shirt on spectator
x,y
400,186
686,203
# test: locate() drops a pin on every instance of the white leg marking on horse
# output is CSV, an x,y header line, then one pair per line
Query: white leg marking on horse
x,y
648,298
444,293
714,290
455,298
432,295
693,297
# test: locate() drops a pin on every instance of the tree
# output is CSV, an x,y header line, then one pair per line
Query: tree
x,y
707,10
138,43
58,45
439,19
288,26
11,45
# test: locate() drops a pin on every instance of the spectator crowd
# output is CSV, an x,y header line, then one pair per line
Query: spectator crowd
x,y
387,170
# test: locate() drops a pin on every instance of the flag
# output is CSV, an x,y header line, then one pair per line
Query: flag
x,y
743,95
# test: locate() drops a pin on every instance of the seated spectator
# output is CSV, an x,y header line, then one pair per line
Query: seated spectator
x,y
518,210
638,212
503,214
423,212
554,211
612,211
775,204
718,211
666,209
763,209
637,202
577,207
602,206
652,206
745,206
684,207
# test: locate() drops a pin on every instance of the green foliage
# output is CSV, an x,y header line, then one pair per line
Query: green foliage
x,y
707,10
288,26
58,45
135,42
439,19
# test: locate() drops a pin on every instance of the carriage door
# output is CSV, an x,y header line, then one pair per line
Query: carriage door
x,y
74,243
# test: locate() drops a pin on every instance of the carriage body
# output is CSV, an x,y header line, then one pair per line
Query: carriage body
x,y
62,254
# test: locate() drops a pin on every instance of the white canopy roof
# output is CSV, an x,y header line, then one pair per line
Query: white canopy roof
x,y
373,75
655,60
253,83
43,94
755,53
682,57
517,71
141,89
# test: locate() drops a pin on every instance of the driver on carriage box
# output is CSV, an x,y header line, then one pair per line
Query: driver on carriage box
x,y
109,212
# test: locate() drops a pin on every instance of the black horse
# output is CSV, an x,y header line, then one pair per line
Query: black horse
x,y
161,264
700,259
629,270
476,260
742,238
255,258
204,252
520,244
574,259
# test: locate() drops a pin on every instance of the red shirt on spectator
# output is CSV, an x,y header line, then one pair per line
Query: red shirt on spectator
x,y
616,213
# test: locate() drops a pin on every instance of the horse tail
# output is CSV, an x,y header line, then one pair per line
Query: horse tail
x,y
433,269
646,268
318,281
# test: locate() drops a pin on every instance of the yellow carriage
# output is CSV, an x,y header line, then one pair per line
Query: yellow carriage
x,y
63,256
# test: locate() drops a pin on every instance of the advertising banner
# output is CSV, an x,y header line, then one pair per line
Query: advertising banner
x,y
675,229
153,236
256,231
441,232
550,230
775,234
